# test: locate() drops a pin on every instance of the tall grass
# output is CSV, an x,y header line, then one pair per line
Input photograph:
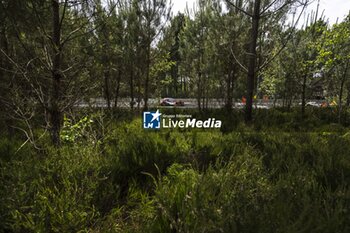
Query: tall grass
x,y
253,180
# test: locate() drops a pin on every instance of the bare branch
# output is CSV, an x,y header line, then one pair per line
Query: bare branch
x,y
39,94
268,6
281,8
285,43
238,8
70,35
63,13
238,62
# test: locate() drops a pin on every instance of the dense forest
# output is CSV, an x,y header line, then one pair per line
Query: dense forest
x,y
76,75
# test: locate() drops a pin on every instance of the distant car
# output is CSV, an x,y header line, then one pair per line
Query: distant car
x,y
313,104
261,106
171,102
239,105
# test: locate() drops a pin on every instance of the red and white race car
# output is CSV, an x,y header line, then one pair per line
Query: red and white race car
x,y
171,102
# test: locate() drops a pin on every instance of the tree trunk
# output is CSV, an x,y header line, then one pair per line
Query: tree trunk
x,y
148,61
132,102
303,96
174,76
203,99
7,81
252,61
184,87
138,93
199,96
117,88
341,92
106,88
206,99
229,90
55,111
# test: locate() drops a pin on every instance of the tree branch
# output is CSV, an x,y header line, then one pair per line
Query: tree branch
x,y
238,62
285,43
238,8
268,6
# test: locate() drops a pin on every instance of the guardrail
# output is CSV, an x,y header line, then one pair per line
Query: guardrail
x,y
190,103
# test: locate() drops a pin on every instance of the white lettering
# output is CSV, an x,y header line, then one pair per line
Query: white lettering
x,y
206,124
217,124
181,124
199,124
190,123
165,125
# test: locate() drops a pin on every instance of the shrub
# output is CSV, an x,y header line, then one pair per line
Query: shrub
x,y
52,192
269,180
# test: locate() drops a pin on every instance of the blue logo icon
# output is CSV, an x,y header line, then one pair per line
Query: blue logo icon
x,y
151,120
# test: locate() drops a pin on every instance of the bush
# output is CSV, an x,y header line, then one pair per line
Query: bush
x,y
134,180
51,192
250,194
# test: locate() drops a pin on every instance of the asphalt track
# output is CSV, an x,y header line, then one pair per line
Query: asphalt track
x,y
191,103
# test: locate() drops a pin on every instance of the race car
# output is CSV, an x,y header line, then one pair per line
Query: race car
x,y
171,102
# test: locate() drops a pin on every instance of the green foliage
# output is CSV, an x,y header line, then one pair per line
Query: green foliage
x,y
8,148
256,193
214,201
181,181
73,132
249,195
50,192
333,46
283,173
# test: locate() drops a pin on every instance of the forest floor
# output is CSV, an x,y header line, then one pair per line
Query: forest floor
x,y
283,173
